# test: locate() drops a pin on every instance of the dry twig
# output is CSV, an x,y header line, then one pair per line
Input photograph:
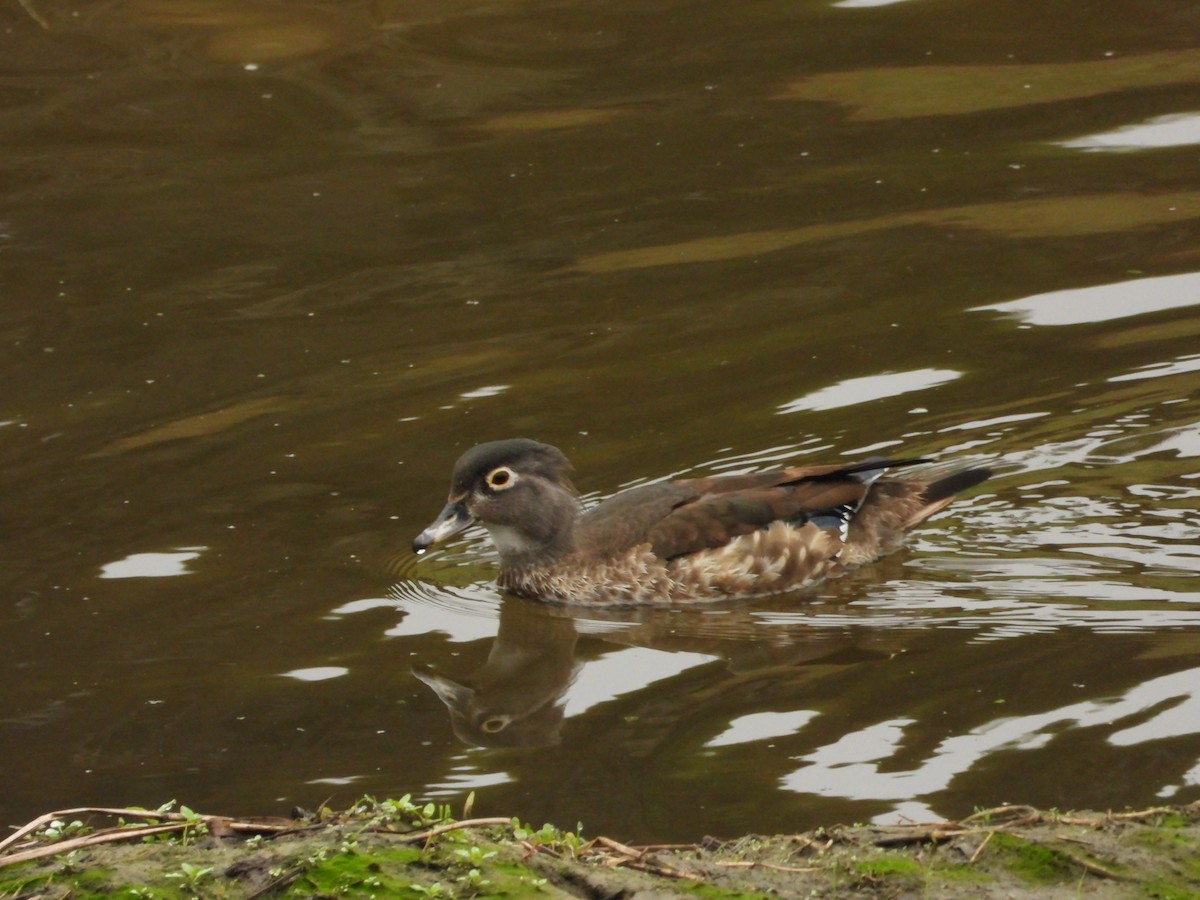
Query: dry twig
x,y
979,849
453,826
99,837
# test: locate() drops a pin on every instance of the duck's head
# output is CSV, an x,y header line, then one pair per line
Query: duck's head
x,y
520,491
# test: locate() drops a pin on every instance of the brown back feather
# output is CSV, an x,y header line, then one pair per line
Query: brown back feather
x,y
681,517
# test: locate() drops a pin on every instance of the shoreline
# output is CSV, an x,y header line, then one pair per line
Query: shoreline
x,y
396,848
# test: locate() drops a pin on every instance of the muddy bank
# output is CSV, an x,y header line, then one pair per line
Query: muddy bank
x,y
401,849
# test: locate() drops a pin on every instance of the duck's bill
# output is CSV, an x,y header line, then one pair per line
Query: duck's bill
x,y
453,519
453,694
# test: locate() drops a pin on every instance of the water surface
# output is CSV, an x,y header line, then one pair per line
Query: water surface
x,y
265,271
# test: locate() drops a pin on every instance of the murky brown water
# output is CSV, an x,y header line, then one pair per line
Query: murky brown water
x,y
267,269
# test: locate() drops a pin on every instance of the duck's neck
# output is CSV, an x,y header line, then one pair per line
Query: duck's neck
x,y
541,538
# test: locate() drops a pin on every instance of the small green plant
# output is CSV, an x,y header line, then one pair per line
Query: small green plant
x,y
150,820
473,880
474,856
387,814
429,890
549,835
315,859
195,825
70,862
403,811
58,829
190,876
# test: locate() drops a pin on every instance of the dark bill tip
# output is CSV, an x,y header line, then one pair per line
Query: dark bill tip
x,y
452,519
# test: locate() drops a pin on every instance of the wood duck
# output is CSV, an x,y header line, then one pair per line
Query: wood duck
x,y
695,539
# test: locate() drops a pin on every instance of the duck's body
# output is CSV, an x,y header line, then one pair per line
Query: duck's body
x,y
688,540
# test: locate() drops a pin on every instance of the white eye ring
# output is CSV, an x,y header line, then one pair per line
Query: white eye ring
x,y
501,478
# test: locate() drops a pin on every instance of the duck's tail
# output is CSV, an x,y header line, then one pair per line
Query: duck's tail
x,y
895,505
938,493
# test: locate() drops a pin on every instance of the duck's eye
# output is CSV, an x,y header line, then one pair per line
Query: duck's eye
x,y
495,724
501,478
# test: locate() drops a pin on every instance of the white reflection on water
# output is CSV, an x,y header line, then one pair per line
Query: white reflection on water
x,y
626,672
464,777
761,726
420,618
1158,370
152,565
869,387
1103,303
339,780
1177,130
490,390
994,421
316,673
851,766
1190,777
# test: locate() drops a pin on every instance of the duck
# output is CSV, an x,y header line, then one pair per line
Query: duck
x,y
713,538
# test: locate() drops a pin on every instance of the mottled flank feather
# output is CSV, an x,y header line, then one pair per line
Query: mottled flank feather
x,y
773,560
691,540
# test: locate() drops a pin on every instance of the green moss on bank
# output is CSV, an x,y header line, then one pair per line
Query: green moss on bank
x,y
399,849
1033,860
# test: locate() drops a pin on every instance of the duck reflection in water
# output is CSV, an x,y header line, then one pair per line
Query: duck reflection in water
x,y
517,697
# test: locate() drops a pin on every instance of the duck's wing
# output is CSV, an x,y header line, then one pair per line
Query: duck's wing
x,y
636,516
852,502
628,518
677,517
826,495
